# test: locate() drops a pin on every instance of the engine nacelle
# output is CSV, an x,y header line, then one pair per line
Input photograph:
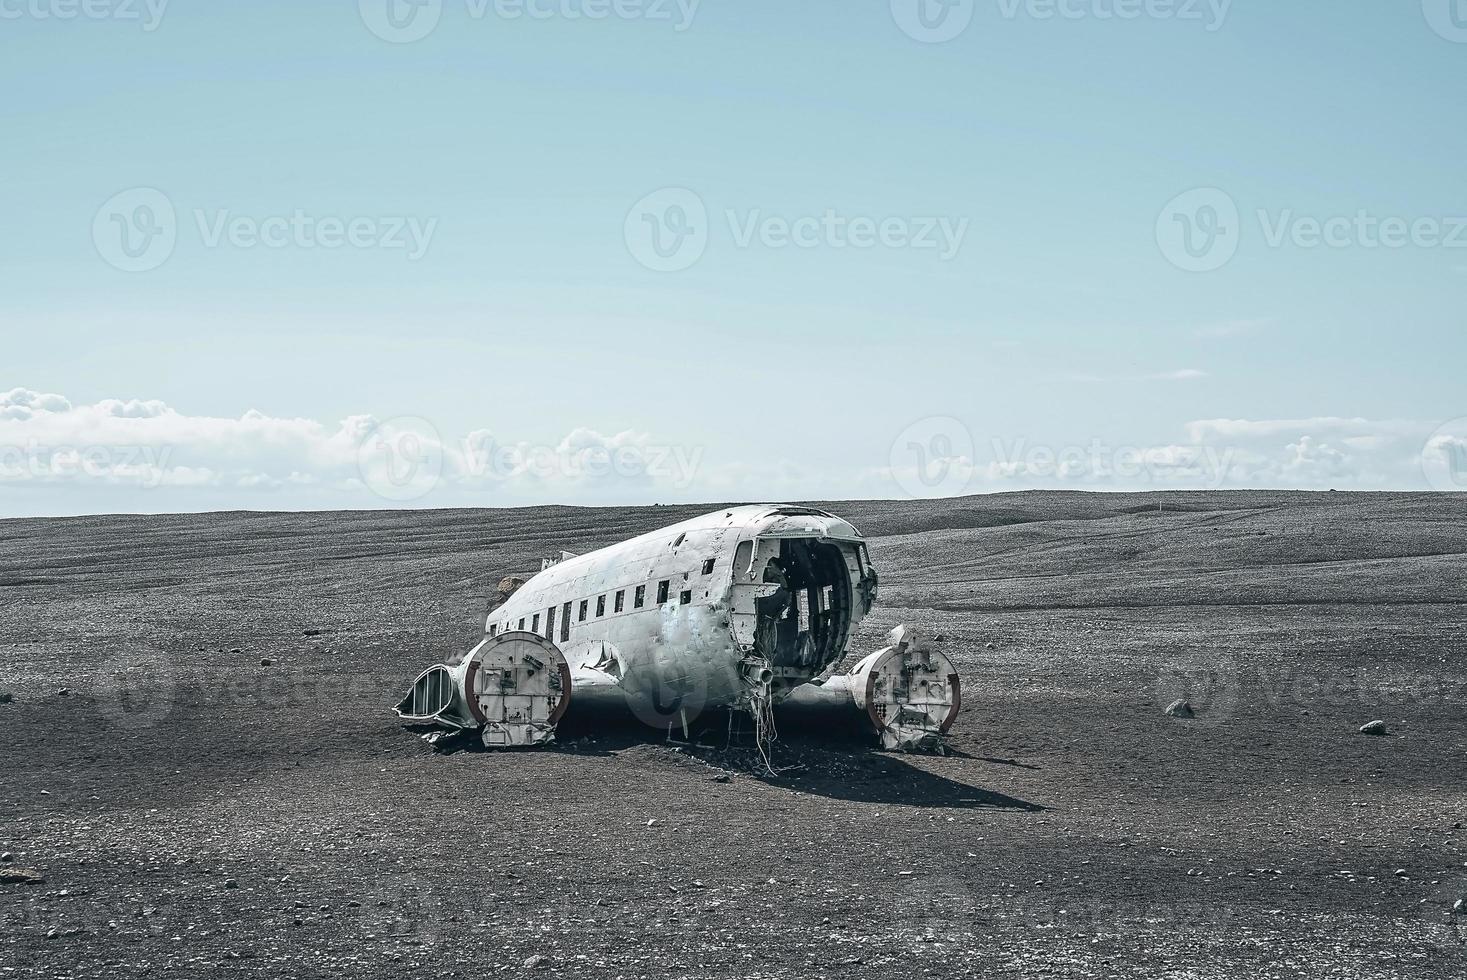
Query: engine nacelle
x,y
514,687
907,693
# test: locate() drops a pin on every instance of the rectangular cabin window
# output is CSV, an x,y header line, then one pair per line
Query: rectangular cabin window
x,y
601,605
565,622
621,601
522,623
550,623
585,604
686,597
535,623
639,598
662,591
493,630
708,567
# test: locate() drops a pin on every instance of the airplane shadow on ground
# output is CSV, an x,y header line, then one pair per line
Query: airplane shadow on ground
x,y
899,783
832,766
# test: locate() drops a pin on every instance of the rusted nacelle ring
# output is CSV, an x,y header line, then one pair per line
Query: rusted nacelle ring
x,y
911,696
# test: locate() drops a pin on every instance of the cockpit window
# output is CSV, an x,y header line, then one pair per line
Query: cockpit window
x,y
743,558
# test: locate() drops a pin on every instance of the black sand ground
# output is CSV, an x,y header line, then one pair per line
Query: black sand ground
x,y
193,811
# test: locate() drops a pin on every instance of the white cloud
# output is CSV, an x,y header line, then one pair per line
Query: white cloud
x,y
47,442
143,455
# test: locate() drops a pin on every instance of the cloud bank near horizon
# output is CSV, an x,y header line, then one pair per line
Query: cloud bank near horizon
x,y
140,455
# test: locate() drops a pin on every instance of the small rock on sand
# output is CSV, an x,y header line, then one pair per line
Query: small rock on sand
x,y
1375,728
21,876
1181,708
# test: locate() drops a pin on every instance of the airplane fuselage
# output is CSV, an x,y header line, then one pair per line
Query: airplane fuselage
x,y
680,618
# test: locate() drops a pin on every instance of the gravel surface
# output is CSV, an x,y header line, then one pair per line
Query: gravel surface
x,y
194,810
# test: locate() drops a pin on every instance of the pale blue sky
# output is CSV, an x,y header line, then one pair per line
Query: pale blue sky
x,y
1058,141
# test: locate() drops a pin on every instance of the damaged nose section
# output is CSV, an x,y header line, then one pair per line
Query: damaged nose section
x,y
513,688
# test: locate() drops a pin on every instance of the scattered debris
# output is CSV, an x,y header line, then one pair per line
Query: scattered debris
x,y
1180,708
1375,728
21,876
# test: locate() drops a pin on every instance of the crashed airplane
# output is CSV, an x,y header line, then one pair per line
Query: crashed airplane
x,y
740,609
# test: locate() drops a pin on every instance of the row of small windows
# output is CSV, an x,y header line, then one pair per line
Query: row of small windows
x,y
618,604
